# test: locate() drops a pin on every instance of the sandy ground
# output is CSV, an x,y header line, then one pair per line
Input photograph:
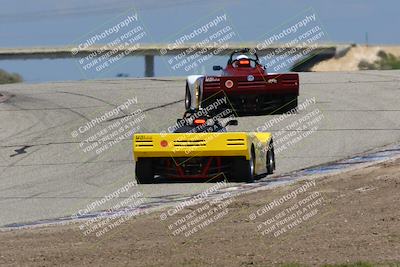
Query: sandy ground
x,y
350,61
343,218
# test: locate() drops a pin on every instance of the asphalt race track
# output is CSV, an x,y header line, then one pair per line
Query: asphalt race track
x,y
44,172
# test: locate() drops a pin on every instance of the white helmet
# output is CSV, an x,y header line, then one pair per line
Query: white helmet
x,y
242,57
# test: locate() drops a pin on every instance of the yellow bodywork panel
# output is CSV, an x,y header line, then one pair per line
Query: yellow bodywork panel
x,y
191,145
203,145
230,144
263,137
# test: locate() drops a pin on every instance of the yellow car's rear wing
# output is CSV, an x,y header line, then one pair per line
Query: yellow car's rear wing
x,y
191,145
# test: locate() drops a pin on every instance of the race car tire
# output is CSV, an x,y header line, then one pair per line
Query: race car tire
x,y
188,98
290,104
270,162
144,171
243,170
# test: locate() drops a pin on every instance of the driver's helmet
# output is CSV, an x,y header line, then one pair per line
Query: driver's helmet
x,y
242,60
242,57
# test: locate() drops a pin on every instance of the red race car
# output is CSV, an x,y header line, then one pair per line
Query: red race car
x,y
245,86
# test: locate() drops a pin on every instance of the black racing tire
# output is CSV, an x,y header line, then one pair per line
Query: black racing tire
x,y
243,170
270,162
271,158
188,98
144,171
290,103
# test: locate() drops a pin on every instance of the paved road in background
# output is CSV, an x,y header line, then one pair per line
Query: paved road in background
x,y
44,172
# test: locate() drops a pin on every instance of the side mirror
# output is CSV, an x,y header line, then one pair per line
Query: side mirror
x,y
217,68
232,122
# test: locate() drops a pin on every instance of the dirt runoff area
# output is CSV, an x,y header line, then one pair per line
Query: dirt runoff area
x,y
353,57
340,219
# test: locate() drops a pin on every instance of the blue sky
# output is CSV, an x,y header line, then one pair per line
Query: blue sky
x,y
49,22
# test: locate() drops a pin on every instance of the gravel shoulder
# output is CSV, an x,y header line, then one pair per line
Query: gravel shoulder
x,y
344,218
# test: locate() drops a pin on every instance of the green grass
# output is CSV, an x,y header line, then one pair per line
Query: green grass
x,y
355,264
293,265
6,77
385,62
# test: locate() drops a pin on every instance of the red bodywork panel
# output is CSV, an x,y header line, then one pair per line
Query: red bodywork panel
x,y
258,83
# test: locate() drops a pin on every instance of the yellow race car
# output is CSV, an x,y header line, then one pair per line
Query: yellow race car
x,y
201,148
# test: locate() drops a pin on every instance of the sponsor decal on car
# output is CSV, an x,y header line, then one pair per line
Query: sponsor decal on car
x,y
250,78
143,137
212,79
229,84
